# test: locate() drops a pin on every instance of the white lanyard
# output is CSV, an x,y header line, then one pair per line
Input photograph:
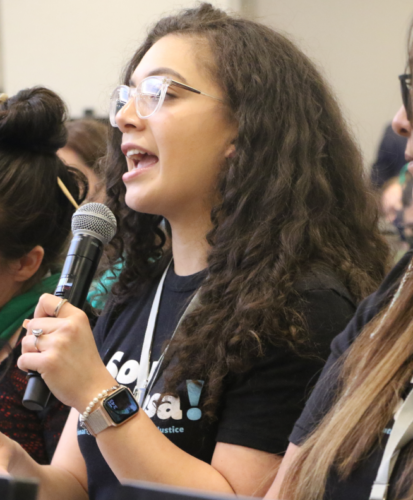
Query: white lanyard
x,y
144,363
146,377
401,434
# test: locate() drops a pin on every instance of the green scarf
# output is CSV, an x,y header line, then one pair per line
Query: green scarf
x,y
21,307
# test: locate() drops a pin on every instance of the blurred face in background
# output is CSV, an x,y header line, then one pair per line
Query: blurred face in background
x,y
391,200
71,158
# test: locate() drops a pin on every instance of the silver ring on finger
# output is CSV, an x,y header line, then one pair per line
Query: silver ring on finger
x,y
37,332
58,307
35,343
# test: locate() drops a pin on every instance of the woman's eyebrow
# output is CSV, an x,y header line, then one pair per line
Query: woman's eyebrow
x,y
163,71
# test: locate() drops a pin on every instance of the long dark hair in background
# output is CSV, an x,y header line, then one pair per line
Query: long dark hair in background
x,y
292,196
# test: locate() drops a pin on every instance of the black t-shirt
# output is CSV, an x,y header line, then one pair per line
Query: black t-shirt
x,y
358,485
258,408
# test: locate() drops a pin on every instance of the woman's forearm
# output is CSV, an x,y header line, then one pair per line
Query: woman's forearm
x,y
137,450
289,458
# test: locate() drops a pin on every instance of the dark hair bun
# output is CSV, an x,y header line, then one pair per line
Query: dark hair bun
x,y
33,120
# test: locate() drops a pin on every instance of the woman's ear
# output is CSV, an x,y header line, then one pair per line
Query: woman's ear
x,y
27,266
230,152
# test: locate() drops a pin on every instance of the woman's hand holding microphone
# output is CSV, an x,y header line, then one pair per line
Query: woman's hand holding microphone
x,y
63,350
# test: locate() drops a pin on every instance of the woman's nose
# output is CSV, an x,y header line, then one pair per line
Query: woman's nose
x,y
127,117
401,125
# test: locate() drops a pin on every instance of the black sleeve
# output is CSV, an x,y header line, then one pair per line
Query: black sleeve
x,y
261,407
323,395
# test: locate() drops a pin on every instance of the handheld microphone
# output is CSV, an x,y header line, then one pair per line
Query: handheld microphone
x,y
93,226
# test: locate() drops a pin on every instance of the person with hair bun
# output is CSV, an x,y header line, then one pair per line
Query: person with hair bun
x,y
35,223
225,132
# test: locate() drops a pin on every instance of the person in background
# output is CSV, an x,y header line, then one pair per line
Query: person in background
x,y
85,147
353,439
391,210
390,158
35,220
226,130
406,214
391,199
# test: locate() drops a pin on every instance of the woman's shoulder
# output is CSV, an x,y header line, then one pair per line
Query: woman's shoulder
x,y
325,304
327,297
322,277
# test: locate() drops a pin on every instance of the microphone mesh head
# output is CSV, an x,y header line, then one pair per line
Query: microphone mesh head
x,y
95,219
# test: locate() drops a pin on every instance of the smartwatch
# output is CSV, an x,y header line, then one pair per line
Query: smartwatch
x,y
112,411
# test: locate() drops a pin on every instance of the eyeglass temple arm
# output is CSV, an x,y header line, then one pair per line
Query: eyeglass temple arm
x,y
191,89
186,87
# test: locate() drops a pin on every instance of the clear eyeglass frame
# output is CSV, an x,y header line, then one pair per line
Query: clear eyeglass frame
x,y
148,96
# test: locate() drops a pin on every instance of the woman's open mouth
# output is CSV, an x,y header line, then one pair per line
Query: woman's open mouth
x,y
141,159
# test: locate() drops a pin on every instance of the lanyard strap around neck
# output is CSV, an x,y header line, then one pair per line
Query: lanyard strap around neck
x,y
144,363
154,376
147,376
401,434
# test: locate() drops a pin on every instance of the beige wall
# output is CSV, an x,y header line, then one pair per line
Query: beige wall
x,y
78,48
360,46
1,51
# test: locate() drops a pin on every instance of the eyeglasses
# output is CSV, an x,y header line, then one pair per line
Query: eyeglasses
x,y
149,96
406,88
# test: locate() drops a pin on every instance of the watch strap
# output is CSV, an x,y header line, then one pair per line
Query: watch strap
x,y
98,421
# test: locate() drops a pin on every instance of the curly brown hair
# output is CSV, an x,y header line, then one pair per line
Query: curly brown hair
x,y
293,196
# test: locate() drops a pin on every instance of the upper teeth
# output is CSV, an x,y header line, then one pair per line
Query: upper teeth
x,y
133,152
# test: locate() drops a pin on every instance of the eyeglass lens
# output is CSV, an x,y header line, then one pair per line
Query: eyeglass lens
x,y
147,99
149,95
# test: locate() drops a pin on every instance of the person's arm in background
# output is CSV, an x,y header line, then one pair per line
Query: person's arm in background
x,y
288,460
57,481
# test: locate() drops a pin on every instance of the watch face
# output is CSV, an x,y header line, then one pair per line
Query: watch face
x,y
121,406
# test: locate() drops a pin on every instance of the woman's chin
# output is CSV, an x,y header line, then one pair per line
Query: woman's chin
x,y
138,203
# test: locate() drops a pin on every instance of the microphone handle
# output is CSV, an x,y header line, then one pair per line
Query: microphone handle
x,y
78,271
